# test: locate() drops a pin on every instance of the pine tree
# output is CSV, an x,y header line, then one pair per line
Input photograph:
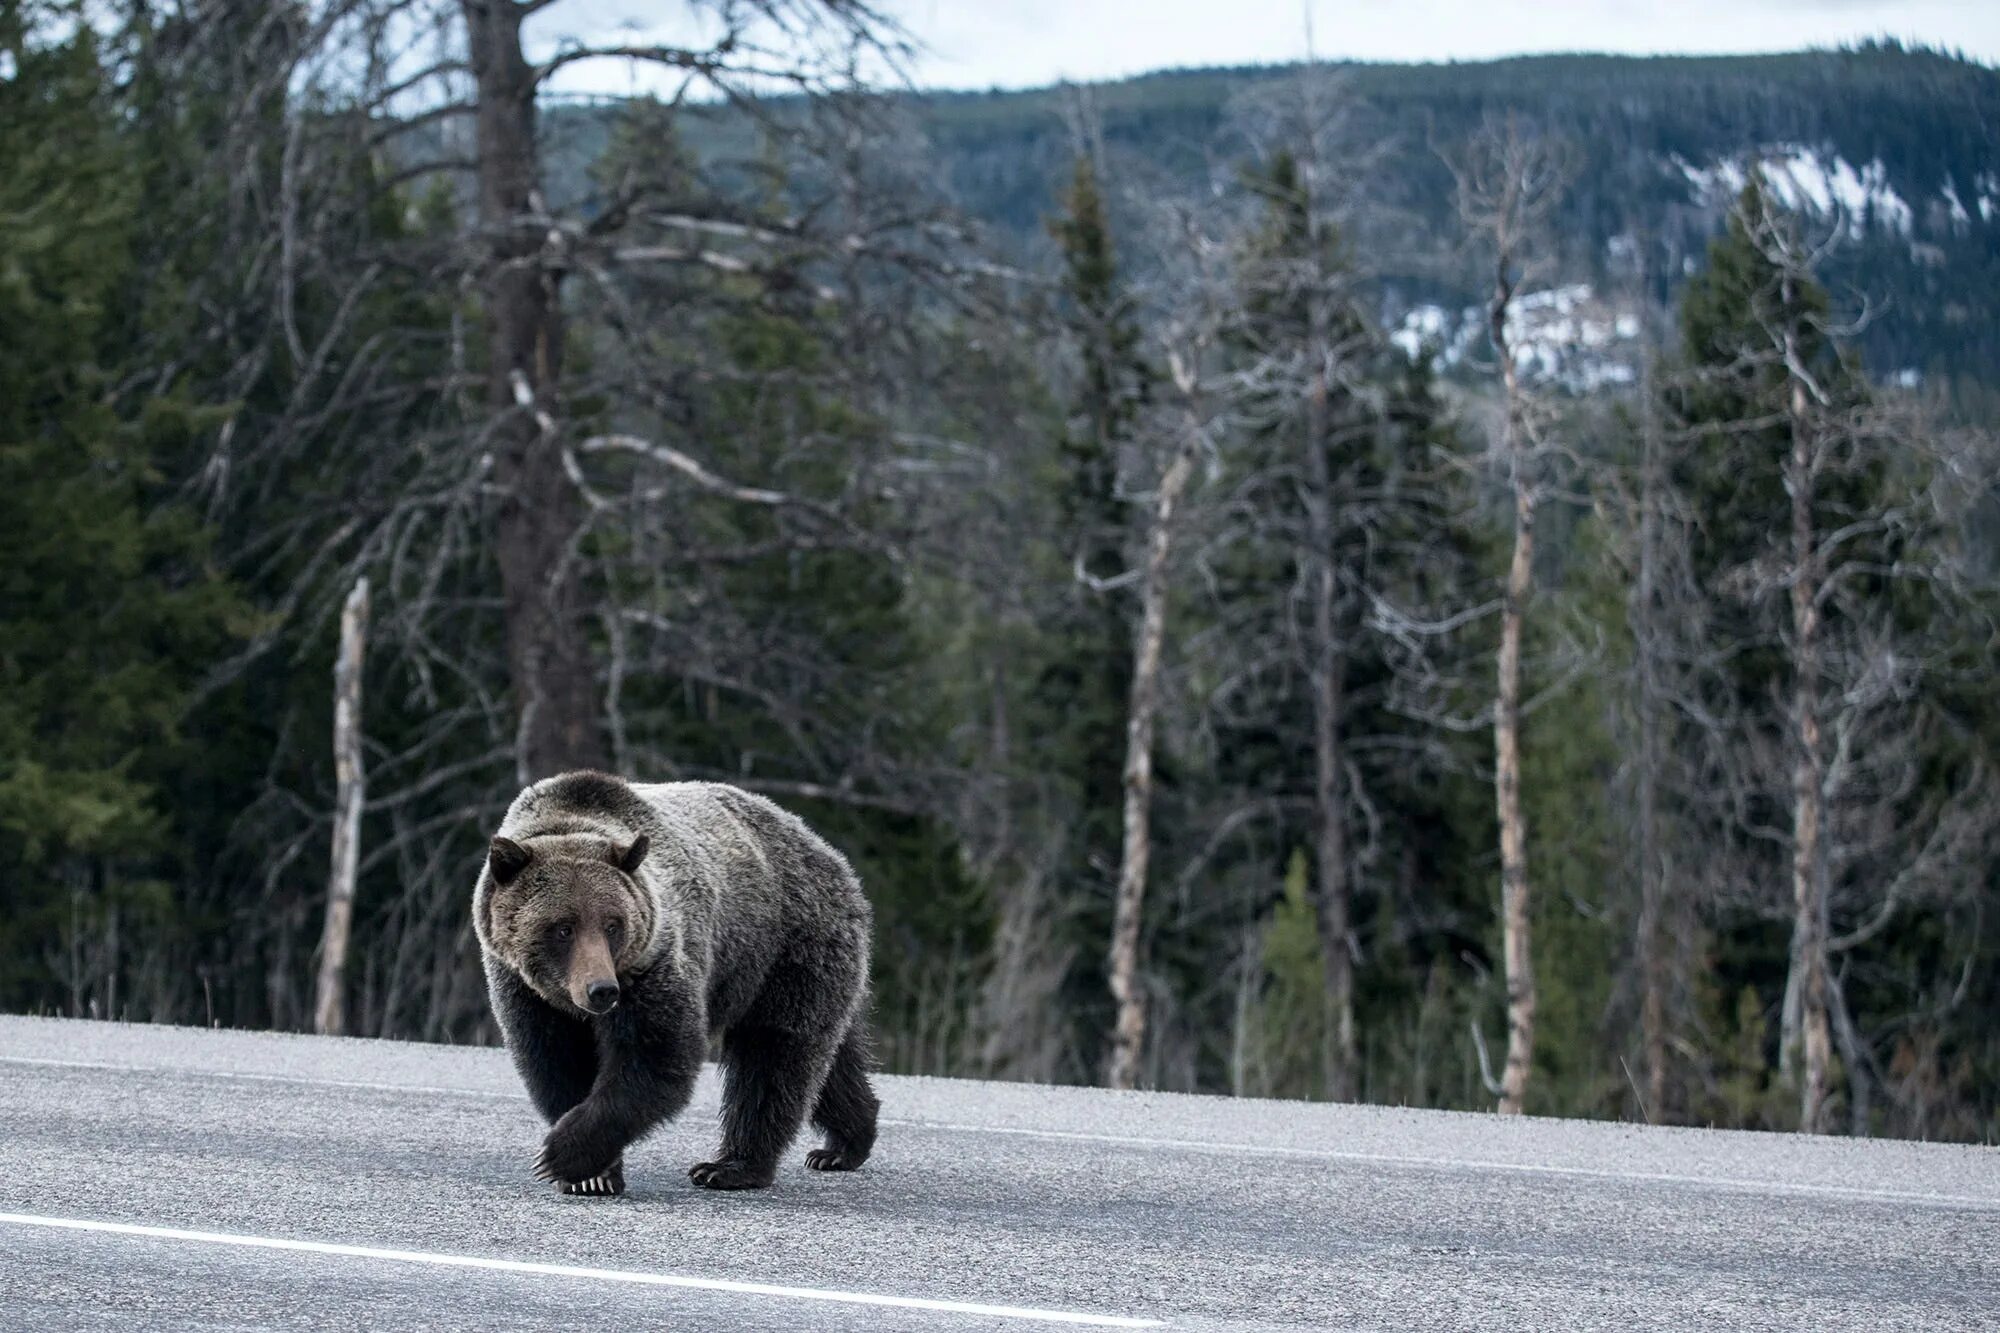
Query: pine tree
x,y
1338,493
109,606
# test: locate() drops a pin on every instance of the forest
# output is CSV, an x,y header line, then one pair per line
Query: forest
x,y
1457,586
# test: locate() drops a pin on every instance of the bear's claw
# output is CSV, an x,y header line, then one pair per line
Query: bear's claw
x,y
731,1175
607,1183
832,1159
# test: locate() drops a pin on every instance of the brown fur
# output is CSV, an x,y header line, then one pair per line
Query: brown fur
x,y
568,915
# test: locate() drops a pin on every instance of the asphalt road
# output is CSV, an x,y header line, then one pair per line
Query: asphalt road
x,y
179,1178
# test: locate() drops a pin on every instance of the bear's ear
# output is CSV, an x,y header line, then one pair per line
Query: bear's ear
x,y
508,859
628,860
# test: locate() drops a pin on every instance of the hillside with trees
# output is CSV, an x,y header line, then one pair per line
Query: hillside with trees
x,y
1899,141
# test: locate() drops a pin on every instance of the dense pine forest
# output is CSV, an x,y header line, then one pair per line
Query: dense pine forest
x,y
1463,586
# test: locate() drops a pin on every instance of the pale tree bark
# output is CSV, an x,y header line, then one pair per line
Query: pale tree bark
x,y
1809,919
350,794
1128,1035
1508,185
1514,902
540,512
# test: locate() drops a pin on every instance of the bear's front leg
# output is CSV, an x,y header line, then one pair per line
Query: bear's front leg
x,y
555,1053
649,1054
584,1152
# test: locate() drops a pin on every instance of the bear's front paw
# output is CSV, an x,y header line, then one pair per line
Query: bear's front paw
x,y
571,1154
834,1159
609,1183
734,1174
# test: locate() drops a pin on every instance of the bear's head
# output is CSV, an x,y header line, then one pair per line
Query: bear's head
x,y
568,916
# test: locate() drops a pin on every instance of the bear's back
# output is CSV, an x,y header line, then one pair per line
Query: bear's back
x,y
754,844
718,847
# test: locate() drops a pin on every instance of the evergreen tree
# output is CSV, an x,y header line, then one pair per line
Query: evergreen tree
x,y
1392,525
110,609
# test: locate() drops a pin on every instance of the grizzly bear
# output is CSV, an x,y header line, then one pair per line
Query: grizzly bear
x,y
622,925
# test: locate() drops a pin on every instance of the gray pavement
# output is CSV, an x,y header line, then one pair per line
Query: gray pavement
x,y
395,1178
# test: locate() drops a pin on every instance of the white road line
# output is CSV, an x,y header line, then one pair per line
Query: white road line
x,y
1736,1183
1022,1312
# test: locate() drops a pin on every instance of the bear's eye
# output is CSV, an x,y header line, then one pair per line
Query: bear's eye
x,y
614,927
565,932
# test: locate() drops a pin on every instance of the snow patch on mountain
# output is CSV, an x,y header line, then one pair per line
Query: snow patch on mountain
x,y
1806,181
1565,337
1959,217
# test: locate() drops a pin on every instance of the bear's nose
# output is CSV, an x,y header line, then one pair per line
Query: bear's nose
x,y
602,996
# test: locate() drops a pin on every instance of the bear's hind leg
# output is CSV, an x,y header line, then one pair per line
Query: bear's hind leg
x,y
846,1107
769,1077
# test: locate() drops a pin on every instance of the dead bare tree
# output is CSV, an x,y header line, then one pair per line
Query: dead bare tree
x,y
1328,351
1653,890
1509,182
1677,742
1129,1031
540,513
1806,577
1866,496
351,794
1647,520
1190,303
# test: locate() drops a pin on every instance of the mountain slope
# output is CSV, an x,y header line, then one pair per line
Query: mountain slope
x,y
1898,149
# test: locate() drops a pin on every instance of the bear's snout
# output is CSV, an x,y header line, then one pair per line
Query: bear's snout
x,y
602,996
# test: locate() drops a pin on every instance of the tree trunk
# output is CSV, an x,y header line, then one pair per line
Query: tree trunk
x,y
350,792
1853,1059
1646,631
540,514
1249,971
1808,785
1326,670
1514,918
1513,827
1129,1032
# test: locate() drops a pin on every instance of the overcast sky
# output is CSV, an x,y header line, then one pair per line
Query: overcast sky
x,y
1025,43
1017,43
